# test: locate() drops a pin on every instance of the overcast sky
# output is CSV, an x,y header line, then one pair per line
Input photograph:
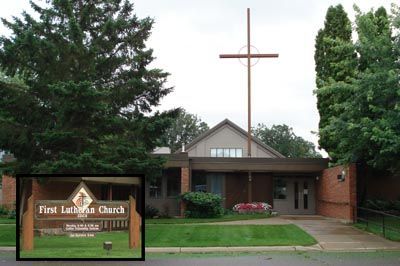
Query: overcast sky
x,y
188,37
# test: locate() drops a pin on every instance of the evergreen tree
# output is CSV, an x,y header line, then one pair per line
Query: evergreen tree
x,y
87,93
366,124
335,61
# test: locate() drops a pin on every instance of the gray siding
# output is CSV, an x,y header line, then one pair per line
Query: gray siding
x,y
227,137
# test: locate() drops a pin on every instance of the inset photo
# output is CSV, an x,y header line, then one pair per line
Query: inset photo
x,y
80,217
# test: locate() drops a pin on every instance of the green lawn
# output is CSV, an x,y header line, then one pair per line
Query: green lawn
x,y
377,229
90,247
5,220
225,218
163,235
7,235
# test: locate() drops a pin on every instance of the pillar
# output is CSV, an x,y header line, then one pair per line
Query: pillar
x,y
185,186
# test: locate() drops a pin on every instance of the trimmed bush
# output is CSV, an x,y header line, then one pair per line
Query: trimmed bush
x,y
150,212
202,205
3,211
12,214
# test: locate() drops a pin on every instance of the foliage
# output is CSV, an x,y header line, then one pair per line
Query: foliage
x,y
335,62
360,111
382,205
3,210
151,211
202,205
12,214
77,94
283,139
185,128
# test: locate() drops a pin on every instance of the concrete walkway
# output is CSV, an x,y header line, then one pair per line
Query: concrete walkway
x,y
334,235
331,234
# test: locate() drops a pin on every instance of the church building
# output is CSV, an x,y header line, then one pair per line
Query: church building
x,y
217,162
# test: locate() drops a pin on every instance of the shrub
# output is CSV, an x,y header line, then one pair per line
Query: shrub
x,y
202,205
3,210
12,214
254,207
150,212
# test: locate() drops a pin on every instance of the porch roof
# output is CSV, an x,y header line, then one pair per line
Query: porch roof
x,y
299,165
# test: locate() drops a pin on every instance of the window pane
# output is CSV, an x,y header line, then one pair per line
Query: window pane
x,y
213,152
216,183
173,186
232,152
279,188
199,183
226,152
155,188
220,153
239,153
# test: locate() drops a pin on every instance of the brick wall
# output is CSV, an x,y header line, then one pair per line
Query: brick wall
x,y
185,185
335,198
9,190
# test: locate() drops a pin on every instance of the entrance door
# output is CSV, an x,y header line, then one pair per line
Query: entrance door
x,y
294,195
303,196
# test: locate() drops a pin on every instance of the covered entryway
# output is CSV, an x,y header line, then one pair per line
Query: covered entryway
x,y
294,195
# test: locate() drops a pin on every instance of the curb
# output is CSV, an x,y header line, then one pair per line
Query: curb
x,y
7,248
231,249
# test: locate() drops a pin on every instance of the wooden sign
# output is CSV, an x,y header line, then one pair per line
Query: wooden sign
x,y
81,205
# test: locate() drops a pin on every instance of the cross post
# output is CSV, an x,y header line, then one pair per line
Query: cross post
x,y
249,56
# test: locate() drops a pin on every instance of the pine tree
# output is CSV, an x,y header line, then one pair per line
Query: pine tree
x,y
85,103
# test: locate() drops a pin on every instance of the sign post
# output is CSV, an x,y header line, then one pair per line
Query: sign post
x,y
134,224
27,226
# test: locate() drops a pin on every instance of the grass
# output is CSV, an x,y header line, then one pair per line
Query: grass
x,y
7,235
5,220
163,235
90,247
225,218
377,229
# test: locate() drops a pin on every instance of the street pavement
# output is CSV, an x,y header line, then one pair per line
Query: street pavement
x,y
268,258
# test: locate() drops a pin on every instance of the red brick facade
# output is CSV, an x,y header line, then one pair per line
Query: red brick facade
x,y
185,185
335,198
9,190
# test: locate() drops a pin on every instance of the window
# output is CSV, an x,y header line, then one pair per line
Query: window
x,y
155,188
173,186
279,188
213,152
199,183
226,152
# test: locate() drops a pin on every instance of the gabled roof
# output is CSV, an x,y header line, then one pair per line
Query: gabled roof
x,y
238,129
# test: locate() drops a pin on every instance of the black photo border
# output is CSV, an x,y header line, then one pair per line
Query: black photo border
x,y
142,196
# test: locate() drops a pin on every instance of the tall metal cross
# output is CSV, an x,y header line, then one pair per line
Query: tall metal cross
x,y
249,55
